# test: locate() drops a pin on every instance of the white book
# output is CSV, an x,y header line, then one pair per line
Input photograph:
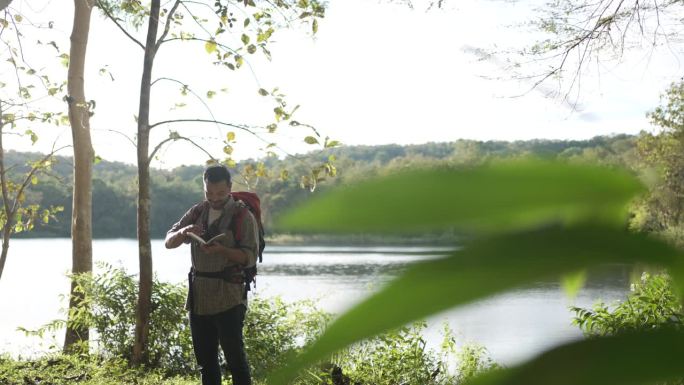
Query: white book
x,y
202,241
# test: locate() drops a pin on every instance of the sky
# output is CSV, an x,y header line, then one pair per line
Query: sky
x,y
377,72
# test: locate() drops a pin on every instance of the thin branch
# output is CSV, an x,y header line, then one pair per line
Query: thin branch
x,y
116,22
211,113
222,46
29,176
21,50
167,25
195,19
240,127
120,133
160,144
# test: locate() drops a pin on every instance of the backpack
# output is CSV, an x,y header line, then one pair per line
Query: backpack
x,y
251,200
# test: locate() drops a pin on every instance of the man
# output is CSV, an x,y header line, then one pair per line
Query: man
x,y
217,296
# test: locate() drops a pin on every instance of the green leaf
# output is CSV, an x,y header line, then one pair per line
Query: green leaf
x,y
311,140
272,128
34,180
572,283
210,94
228,149
482,268
245,39
314,26
251,48
263,92
33,136
210,46
230,136
634,358
497,197
246,22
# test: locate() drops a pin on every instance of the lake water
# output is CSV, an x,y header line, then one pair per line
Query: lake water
x,y
512,326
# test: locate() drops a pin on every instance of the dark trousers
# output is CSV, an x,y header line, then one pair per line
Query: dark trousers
x,y
208,331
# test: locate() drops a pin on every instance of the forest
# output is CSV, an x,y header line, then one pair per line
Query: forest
x,y
175,190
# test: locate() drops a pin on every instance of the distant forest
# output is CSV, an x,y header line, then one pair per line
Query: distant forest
x,y
174,191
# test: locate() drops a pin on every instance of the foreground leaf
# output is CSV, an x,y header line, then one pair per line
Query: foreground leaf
x,y
638,358
482,268
496,197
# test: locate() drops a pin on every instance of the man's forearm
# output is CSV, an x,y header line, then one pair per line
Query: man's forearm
x,y
174,239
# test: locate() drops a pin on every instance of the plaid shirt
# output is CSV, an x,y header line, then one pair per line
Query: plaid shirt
x,y
213,295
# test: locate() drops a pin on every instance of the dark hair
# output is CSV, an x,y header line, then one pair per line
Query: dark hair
x,y
217,173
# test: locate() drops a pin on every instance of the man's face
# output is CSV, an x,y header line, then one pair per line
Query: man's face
x,y
216,193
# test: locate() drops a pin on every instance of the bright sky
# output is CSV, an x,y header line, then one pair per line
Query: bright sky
x,y
377,72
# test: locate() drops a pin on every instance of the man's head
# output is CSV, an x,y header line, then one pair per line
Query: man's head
x,y
217,185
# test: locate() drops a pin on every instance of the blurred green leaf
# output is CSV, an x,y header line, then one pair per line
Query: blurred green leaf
x,y
639,358
484,267
490,198
572,283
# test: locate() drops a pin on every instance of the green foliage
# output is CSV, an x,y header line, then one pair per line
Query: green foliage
x,y
663,207
58,369
543,233
652,304
274,330
401,357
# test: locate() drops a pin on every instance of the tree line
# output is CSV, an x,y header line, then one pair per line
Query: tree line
x,y
174,190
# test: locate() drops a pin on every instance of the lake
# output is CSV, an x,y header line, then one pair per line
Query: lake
x,y
513,326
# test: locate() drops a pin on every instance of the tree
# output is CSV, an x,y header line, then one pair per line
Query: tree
x,y
663,153
18,116
261,19
81,214
579,32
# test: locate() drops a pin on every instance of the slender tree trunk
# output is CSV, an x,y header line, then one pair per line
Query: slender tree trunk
x,y
142,322
7,227
81,215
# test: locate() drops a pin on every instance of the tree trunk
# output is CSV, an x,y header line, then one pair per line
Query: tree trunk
x,y
142,321
81,215
7,227
5,248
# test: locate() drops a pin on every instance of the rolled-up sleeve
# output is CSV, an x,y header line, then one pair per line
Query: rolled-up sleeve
x,y
185,220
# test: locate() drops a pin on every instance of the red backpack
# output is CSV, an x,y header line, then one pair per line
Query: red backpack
x,y
254,205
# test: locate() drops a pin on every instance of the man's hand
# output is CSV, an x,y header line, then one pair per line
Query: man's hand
x,y
177,238
195,229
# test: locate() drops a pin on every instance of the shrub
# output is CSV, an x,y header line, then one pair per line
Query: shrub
x,y
652,304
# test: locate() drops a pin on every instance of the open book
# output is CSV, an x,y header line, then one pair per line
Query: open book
x,y
202,241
